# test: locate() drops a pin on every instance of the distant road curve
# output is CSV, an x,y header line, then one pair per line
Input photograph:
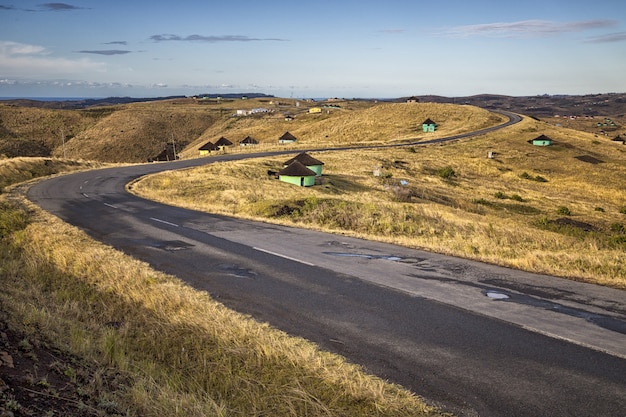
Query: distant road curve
x,y
471,338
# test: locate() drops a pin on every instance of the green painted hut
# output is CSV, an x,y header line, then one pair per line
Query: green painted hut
x,y
297,174
429,126
542,140
308,161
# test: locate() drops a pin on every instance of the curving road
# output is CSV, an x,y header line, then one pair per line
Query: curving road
x,y
471,338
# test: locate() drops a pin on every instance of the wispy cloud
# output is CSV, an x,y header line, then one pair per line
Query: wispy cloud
x,y
210,39
527,28
58,7
611,37
32,60
116,43
105,52
45,7
392,31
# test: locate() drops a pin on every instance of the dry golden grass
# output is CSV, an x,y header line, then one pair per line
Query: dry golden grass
x,y
493,210
354,123
175,351
15,170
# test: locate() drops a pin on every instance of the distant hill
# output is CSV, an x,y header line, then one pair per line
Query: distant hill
x,y
124,129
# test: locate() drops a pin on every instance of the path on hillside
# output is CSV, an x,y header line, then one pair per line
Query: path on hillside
x,y
472,338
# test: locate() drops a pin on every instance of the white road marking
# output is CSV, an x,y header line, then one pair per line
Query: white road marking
x,y
283,256
85,195
110,205
163,221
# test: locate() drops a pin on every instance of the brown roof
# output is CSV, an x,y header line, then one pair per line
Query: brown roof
x,y
428,122
223,142
305,159
543,137
296,169
249,140
287,136
209,146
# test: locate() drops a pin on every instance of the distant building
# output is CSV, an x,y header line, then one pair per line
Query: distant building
x,y
429,126
221,142
542,140
412,100
313,110
248,141
287,138
207,148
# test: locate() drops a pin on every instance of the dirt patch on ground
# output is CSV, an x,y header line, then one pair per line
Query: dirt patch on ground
x,y
38,380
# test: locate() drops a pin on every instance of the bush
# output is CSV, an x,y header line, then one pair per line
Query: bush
x,y
622,210
500,195
446,173
564,211
618,228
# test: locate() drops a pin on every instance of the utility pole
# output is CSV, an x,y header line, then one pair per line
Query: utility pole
x,y
174,146
63,140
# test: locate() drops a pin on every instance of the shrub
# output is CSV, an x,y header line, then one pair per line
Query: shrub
x,y
564,211
500,195
600,209
618,228
623,210
517,197
446,172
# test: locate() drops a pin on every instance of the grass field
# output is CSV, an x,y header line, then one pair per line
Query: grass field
x,y
558,210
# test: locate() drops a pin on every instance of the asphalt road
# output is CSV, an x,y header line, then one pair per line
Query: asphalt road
x,y
471,338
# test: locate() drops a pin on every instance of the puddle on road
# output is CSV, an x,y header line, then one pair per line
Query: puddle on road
x,y
172,245
496,295
237,271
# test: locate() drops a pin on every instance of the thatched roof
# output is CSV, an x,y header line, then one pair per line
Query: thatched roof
x,y
287,137
296,169
249,140
209,146
223,142
305,159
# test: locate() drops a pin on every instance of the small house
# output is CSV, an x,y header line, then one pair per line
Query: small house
x,y
222,142
313,110
297,174
287,138
412,99
429,126
308,161
542,140
248,141
207,148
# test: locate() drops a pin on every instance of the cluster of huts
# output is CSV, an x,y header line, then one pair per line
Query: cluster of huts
x,y
223,143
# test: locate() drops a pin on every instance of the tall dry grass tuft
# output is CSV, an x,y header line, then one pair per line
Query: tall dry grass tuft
x,y
174,350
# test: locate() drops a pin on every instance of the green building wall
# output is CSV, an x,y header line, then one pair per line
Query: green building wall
x,y
298,180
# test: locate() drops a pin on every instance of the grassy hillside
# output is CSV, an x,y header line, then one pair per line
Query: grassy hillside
x,y
559,210
123,133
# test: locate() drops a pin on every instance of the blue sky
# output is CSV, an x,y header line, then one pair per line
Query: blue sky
x,y
320,48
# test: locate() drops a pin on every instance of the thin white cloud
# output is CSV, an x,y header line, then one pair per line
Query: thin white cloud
x,y
105,52
212,38
527,28
24,60
611,37
58,7
392,31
